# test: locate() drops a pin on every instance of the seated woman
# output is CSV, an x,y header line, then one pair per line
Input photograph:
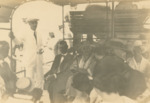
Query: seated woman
x,y
5,72
83,63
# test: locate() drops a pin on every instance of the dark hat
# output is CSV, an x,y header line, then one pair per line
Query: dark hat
x,y
116,44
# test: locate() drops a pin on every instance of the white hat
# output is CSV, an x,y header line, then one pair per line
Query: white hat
x,y
27,20
24,83
137,43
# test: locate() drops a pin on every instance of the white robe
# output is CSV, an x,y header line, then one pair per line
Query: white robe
x,y
31,59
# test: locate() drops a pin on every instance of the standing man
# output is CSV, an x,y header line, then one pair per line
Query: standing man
x,y
32,55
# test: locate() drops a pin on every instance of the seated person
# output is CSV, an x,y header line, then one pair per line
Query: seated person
x,y
8,78
115,78
86,60
5,72
83,63
58,75
138,62
111,82
141,64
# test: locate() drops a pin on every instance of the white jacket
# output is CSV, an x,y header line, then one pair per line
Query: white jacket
x,y
31,59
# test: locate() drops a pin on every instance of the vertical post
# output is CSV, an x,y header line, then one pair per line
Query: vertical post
x,y
112,26
11,45
63,22
107,21
107,10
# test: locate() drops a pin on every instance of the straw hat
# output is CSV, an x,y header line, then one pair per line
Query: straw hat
x,y
27,20
24,84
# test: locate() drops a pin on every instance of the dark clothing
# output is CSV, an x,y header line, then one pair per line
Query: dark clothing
x,y
9,78
58,85
132,85
65,64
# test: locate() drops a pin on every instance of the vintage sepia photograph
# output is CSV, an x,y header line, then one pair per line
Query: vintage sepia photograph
x,y
74,51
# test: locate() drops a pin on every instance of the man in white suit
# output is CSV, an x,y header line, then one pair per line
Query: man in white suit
x,y
32,55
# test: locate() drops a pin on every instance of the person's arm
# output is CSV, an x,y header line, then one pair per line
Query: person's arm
x,y
51,71
75,64
15,40
2,87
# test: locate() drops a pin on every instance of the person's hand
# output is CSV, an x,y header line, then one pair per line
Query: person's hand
x,y
11,35
41,51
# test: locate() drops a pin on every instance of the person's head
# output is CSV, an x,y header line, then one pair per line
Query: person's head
x,y
110,82
85,49
116,47
63,47
4,49
33,23
82,82
137,48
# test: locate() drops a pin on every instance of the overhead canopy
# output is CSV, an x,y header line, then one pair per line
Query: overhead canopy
x,y
7,6
66,2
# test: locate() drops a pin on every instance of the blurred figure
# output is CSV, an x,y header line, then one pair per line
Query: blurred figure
x,y
51,41
49,50
86,60
116,59
138,62
107,86
115,82
6,74
19,62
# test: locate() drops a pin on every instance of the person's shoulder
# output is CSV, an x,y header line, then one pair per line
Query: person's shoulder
x,y
128,100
